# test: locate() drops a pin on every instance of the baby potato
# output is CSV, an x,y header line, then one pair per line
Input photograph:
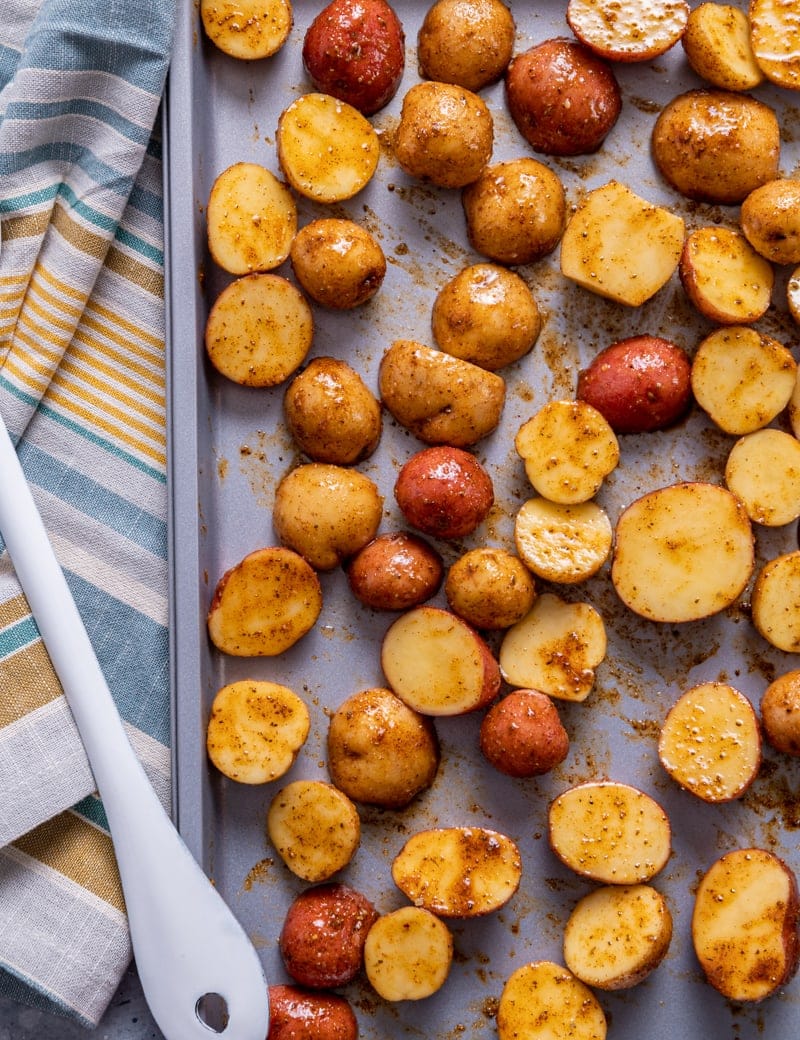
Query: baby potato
x,y
770,219
562,543
763,471
408,954
635,30
489,588
354,50
486,315
716,145
380,751
331,414
718,48
515,211
395,572
563,98
338,263
298,1014
522,735
466,42
445,134
773,36
545,1000
444,492
247,29
314,827
724,276
780,713
326,513
775,602
255,730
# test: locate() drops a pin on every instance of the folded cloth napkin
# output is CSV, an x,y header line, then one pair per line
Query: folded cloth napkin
x,y
82,391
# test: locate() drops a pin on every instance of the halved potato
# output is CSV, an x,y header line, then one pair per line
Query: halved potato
x,y
774,32
793,294
742,378
555,648
628,30
255,730
682,552
247,29
408,953
610,832
568,449
775,602
744,924
314,827
794,406
616,935
438,664
545,1001
710,742
718,47
264,604
724,277
562,543
458,871
259,330
327,149
763,470
620,246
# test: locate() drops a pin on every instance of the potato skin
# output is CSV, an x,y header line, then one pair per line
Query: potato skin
x,y
444,492
780,713
522,735
563,98
354,50
298,1014
466,42
770,219
716,145
490,588
323,935
338,263
638,384
395,571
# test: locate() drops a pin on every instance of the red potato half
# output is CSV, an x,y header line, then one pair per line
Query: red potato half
x,y
628,30
438,664
299,1014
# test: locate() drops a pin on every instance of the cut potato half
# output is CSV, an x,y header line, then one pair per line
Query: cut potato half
x,y
408,954
682,552
568,449
774,34
610,832
247,29
794,404
763,470
327,149
793,294
724,277
314,827
458,871
563,543
718,47
255,730
710,742
620,246
259,330
437,664
628,30
742,378
744,924
545,1001
616,935
775,603
555,648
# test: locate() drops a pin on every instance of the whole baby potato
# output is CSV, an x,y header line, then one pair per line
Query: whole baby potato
x,y
466,42
445,134
298,1014
515,211
522,735
770,219
444,492
716,145
331,414
380,751
338,263
323,935
490,588
563,98
486,314
780,712
638,384
354,50
395,572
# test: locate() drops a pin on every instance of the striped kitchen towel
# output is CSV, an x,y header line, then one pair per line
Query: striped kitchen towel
x,y
82,391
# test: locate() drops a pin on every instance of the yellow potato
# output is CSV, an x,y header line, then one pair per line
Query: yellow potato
x,y
546,1001
247,29
774,28
780,712
718,47
775,602
770,219
489,588
565,544
763,470
408,953
338,263
467,42
314,827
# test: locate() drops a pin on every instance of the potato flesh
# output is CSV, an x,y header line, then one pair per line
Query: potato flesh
x,y
247,29
775,603
562,543
458,871
555,648
774,32
717,45
616,935
546,1001
610,832
635,30
620,246
710,742
314,827
682,552
763,471
725,277
408,953
744,924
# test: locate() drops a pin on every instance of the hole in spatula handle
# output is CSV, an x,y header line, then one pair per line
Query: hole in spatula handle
x,y
212,1010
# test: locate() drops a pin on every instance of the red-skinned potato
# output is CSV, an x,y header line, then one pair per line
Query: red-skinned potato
x,y
323,935
638,384
522,735
298,1014
354,50
395,572
444,492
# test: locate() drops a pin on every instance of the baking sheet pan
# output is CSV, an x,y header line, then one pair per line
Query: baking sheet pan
x,y
228,449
